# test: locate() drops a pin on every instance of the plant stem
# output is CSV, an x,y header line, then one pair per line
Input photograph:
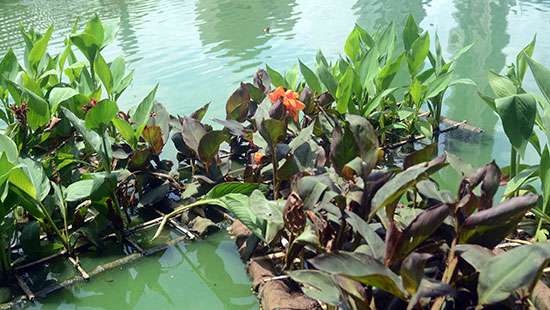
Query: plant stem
x,y
513,162
275,169
61,236
452,261
182,209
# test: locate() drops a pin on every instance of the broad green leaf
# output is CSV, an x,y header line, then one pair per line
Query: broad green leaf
x,y
418,53
352,47
521,59
291,77
311,79
343,148
327,79
345,90
239,205
392,191
501,85
276,78
439,85
223,189
104,73
365,138
518,268
388,72
39,109
410,32
8,147
79,190
101,115
273,131
90,136
518,114
39,49
368,70
9,67
542,77
126,131
374,242
318,285
209,144
362,268
142,113
238,104
59,95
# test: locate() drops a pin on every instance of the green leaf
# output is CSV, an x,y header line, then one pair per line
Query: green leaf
x,y
79,190
39,48
238,103
522,58
352,47
126,131
501,85
410,32
273,131
90,136
39,109
374,242
59,95
542,77
518,268
439,85
239,205
223,189
318,285
345,90
418,53
104,72
276,78
518,114
365,138
9,68
142,113
362,268
209,144
8,147
327,79
310,77
392,191
101,115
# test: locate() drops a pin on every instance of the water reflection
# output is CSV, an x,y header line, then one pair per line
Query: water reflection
x,y
62,14
484,23
239,30
374,13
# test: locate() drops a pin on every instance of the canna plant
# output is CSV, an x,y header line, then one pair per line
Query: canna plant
x,y
73,166
526,120
382,79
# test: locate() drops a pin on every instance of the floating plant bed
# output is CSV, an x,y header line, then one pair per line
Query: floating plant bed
x,y
332,172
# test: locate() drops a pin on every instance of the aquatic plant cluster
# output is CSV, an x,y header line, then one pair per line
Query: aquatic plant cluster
x,y
304,159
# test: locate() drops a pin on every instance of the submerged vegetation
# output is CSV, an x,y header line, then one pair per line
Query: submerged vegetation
x,y
304,159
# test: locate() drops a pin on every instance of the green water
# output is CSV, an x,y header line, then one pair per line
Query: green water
x,y
207,274
199,50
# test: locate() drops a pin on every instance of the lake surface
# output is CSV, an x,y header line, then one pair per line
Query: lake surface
x,y
199,50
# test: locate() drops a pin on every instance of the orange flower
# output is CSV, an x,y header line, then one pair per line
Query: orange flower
x,y
290,101
258,157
